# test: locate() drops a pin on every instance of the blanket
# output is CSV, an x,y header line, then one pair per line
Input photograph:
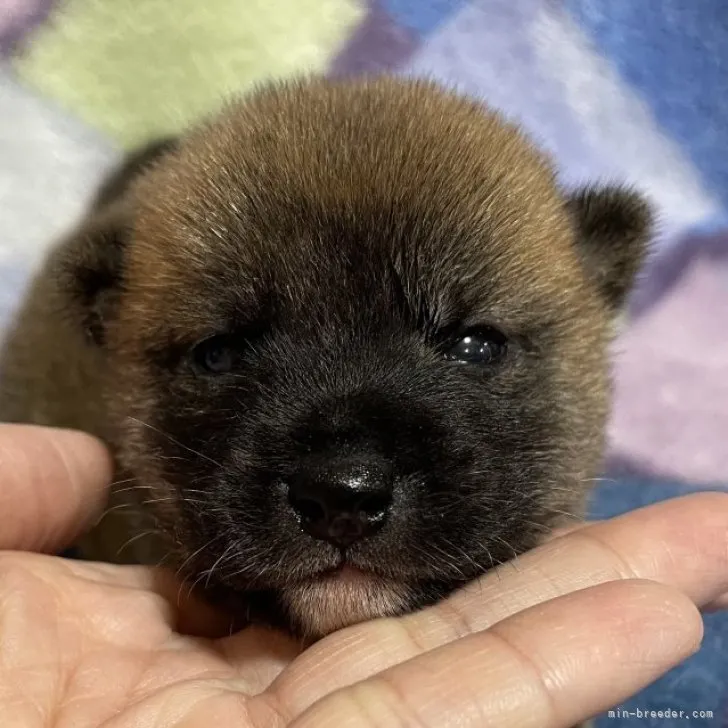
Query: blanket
x,y
628,91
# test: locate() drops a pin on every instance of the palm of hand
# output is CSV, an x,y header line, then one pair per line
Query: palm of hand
x,y
571,630
89,645
97,645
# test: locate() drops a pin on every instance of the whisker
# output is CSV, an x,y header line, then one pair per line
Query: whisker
x,y
506,544
121,482
219,562
136,538
136,486
112,509
170,498
176,442
181,567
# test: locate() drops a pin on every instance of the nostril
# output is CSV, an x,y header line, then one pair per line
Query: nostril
x,y
307,508
375,504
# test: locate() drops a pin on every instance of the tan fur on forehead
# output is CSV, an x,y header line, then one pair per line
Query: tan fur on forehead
x,y
264,175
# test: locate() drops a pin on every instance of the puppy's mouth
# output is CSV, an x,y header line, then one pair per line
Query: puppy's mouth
x,y
344,575
343,572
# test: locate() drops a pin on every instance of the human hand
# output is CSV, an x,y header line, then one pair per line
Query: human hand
x,y
567,631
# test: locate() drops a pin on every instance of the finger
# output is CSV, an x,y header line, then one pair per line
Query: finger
x,y
717,605
52,482
682,543
566,530
550,666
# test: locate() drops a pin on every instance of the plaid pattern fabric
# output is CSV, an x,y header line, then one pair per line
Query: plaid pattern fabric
x,y
623,90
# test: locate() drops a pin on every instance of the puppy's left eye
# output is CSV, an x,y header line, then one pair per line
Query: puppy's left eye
x,y
478,346
216,355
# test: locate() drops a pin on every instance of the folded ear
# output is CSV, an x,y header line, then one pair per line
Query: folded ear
x,y
613,228
89,271
90,266
117,183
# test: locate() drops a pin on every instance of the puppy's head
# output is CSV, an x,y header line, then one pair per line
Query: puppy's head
x,y
357,343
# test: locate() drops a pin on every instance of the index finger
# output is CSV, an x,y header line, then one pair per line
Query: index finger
x,y
551,665
52,482
681,543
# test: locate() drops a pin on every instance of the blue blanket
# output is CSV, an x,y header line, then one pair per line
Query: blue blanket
x,y
700,684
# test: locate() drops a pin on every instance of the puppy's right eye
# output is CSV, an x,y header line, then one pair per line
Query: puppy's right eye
x,y
216,355
478,346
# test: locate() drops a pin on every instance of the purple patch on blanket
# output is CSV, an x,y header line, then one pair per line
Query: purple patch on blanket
x,y
376,46
17,19
671,398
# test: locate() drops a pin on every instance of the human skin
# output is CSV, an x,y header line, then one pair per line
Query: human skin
x,y
568,630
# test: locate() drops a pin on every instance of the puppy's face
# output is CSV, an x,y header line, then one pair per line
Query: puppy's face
x,y
358,346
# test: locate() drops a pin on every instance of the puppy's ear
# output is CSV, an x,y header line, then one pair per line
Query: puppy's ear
x,y
117,183
89,271
91,265
613,229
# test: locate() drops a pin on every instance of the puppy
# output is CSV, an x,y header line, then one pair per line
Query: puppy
x,y
348,341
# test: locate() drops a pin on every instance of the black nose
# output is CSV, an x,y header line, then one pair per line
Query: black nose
x,y
343,502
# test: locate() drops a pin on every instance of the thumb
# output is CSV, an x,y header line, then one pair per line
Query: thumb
x,y
52,483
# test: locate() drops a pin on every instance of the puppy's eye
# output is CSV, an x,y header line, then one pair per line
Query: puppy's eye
x,y
216,355
478,346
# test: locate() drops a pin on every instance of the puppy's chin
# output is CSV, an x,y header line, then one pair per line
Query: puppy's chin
x,y
342,598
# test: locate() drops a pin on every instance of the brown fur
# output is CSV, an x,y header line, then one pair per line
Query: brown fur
x,y
434,181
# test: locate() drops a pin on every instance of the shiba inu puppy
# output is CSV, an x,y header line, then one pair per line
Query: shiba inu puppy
x,y
348,341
